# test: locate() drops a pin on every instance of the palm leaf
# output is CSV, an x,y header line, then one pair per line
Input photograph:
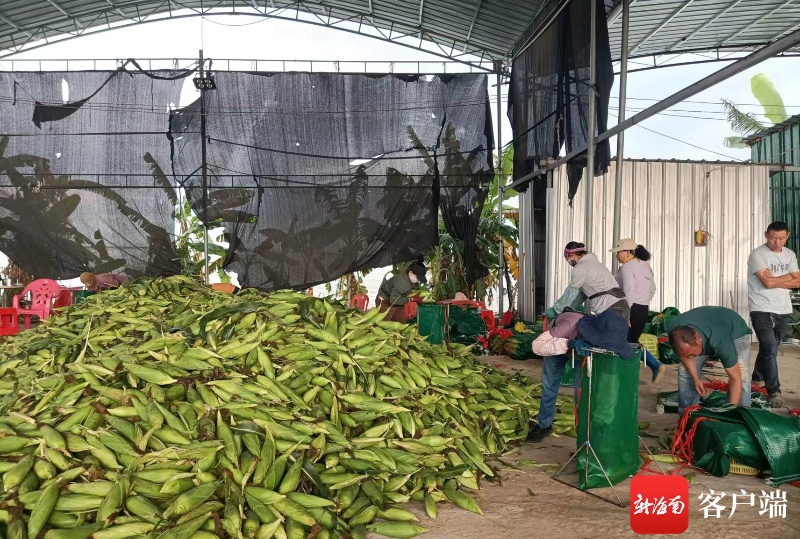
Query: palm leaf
x,y
62,209
359,190
161,178
507,165
770,99
26,160
734,142
420,147
742,123
225,199
333,204
234,216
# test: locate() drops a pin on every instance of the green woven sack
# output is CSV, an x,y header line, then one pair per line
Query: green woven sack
x,y
519,346
716,443
722,435
660,322
430,322
613,426
667,355
465,321
671,312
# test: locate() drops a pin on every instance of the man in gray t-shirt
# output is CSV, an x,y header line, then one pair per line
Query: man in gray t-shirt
x,y
771,272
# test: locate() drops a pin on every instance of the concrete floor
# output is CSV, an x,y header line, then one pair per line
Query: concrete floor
x,y
557,510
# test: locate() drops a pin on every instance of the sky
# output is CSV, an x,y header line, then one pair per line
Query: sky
x,y
691,130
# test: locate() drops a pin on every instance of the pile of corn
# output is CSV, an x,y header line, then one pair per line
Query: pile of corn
x,y
166,410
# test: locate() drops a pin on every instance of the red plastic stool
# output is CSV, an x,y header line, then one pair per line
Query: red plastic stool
x,y
9,321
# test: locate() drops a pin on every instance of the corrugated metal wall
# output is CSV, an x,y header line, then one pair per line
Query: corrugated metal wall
x,y
783,147
663,203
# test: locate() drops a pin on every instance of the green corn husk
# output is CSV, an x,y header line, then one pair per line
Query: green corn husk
x,y
260,414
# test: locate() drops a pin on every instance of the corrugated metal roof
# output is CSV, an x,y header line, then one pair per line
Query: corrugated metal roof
x,y
671,26
752,139
488,28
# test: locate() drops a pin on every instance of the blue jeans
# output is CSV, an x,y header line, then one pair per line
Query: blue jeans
x,y
688,396
552,370
770,328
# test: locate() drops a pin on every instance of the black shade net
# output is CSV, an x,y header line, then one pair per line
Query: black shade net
x,y
549,93
316,175
82,186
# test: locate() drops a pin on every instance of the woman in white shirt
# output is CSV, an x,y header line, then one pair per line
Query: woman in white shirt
x,y
635,278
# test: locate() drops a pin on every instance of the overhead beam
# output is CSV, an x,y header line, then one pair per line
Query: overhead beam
x,y
474,18
725,73
757,22
613,16
64,11
15,26
421,7
479,64
711,21
117,9
662,25
790,30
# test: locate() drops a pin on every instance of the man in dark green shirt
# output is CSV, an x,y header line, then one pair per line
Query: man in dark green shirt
x,y
715,332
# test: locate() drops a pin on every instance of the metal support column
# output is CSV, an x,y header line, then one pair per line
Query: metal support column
x,y
204,166
590,138
623,95
500,182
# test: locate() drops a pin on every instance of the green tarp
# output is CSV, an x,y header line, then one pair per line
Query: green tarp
x,y
753,437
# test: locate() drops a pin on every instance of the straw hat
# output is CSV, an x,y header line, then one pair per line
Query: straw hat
x,y
627,244
87,278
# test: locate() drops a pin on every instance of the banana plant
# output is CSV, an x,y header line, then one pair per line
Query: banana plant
x,y
447,260
190,245
745,124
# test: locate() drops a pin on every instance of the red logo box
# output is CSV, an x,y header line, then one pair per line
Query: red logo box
x,y
659,504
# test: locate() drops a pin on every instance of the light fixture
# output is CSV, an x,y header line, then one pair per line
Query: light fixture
x,y
205,83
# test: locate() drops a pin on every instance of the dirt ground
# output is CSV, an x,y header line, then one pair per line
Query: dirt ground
x,y
559,510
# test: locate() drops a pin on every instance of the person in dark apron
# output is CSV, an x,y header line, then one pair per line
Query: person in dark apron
x,y
590,282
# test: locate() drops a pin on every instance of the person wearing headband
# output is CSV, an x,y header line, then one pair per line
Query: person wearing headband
x,y
635,277
102,281
590,282
393,292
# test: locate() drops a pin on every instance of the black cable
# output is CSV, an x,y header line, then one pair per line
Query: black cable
x,y
91,134
295,185
540,122
210,108
684,142
384,156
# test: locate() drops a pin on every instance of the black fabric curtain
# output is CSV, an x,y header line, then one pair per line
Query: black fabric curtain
x,y
549,93
316,175
82,182
462,202
311,176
